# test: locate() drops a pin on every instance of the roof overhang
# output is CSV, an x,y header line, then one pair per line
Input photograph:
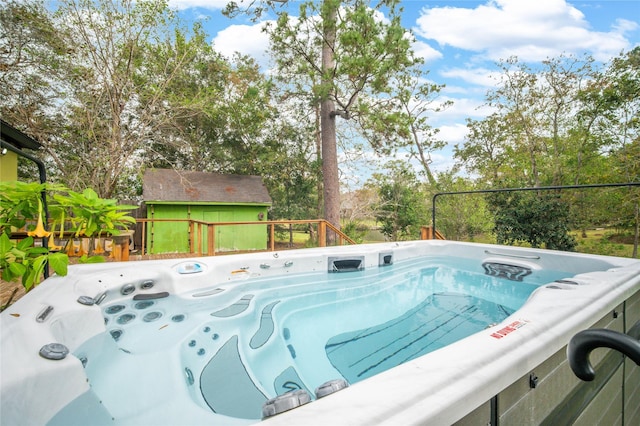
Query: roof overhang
x,y
15,137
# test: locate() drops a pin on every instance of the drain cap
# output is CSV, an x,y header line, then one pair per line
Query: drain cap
x,y
327,388
54,351
285,402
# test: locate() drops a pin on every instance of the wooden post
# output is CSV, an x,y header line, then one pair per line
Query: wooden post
x,y
120,247
424,233
192,242
290,235
199,239
144,237
211,241
125,249
272,236
322,233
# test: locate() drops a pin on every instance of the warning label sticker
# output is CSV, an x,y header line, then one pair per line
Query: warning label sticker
x,y
508,329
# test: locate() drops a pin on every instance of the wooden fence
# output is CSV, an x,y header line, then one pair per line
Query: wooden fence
x,y
203,234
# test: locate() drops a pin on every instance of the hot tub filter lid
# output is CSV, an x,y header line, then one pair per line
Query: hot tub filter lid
x,y
285,402
54,351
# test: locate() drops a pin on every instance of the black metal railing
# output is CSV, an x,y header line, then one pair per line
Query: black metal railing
x,y
539,188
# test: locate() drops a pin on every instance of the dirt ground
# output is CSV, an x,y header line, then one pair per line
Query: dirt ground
x,y
7,290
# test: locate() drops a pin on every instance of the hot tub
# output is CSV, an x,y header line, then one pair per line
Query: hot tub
x,y
418,332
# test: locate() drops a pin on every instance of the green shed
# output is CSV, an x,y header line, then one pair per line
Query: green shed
x,y
206,197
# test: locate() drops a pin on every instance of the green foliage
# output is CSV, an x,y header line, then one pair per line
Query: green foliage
x,y
565,122
354,230
21,204
341,60
94,216
18,202
147,90
402,208
461,216
22,260
537,219
605,243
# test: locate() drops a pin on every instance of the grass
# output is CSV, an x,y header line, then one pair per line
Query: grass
x,y
604,242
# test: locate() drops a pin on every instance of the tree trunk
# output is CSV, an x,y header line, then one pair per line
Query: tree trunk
x,y
320,186
328,123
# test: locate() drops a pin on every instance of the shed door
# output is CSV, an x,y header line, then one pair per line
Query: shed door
x,y
225,235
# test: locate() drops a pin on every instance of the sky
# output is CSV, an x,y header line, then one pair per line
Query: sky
x,y
461,41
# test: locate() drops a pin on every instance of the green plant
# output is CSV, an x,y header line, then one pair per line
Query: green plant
x,y
541,220
22,259
90,215
21,205
20,202
355,230
94,216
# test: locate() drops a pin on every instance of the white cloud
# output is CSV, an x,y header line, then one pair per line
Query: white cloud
x,y
531,30
453,134
478,76
245,39
461,109
624,25
426,52
205,4
441,163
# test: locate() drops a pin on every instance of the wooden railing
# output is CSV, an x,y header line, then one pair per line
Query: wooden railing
x,y
198,229
426,233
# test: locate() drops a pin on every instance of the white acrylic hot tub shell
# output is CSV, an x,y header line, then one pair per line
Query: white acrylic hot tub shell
x,y
443,386
438,388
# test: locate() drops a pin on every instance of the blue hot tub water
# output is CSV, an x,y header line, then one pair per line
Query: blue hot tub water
x,y
234,346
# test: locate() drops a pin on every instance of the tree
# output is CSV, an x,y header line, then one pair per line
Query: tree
x,y
533,137
32,80
136,89
109,67
401,120
535,218
613,105
402,203
348,56
121,91
557,124
486,149
461,216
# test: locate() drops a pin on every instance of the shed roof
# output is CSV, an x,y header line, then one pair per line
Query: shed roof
x,y
15,137
186,186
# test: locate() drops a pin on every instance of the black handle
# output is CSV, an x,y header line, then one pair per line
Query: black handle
x,y
581,345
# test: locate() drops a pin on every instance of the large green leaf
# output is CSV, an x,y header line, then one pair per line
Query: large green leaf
x,y
5,244
16,270
23,245
59,263
36,270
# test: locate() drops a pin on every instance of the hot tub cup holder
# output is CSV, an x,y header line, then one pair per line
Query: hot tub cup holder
x,y
332,386
285,402
581,345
